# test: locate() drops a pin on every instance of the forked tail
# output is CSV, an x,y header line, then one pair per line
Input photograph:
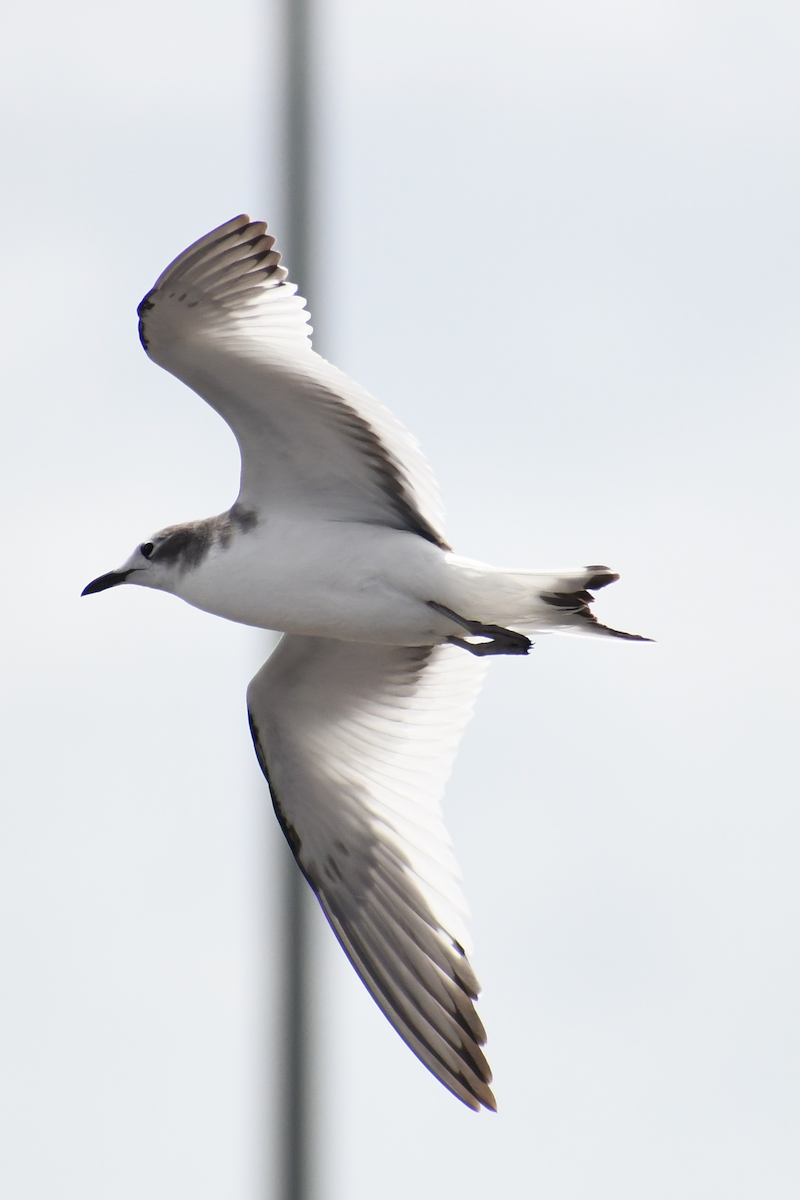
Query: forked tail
x,y
571,600
535,601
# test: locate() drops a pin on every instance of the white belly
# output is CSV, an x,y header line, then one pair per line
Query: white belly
x,y
354,582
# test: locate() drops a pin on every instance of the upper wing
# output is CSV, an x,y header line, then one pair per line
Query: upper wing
x,y
357,741
313,443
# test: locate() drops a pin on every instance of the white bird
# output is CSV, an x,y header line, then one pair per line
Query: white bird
x,y
335,540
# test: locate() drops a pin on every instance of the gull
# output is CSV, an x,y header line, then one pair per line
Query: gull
x,y
336,541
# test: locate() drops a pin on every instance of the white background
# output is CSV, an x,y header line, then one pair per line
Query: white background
x,y
561,242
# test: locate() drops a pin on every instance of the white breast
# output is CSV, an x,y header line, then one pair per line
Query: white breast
x,y
329,579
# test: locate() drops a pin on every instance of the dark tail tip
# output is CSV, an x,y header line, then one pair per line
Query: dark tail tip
x,y
602,579
620,633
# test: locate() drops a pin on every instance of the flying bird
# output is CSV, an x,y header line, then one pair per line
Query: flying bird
x,y
336,541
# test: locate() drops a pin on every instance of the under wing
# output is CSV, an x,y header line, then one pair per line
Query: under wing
x,y
357,741
314,444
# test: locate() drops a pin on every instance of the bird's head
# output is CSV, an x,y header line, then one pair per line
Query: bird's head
x,y
164,560
146,566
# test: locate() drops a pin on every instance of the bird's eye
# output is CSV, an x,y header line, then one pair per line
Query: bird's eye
x,y
147,549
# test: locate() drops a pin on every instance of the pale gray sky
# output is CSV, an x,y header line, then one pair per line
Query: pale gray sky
x,y
560,241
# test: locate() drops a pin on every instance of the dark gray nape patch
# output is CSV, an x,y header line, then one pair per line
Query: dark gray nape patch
x,y
186,546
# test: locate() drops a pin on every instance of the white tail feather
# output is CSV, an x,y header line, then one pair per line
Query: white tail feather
x,y
534,601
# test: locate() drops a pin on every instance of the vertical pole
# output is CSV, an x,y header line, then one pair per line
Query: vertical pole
x,y
294,1101
298,142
